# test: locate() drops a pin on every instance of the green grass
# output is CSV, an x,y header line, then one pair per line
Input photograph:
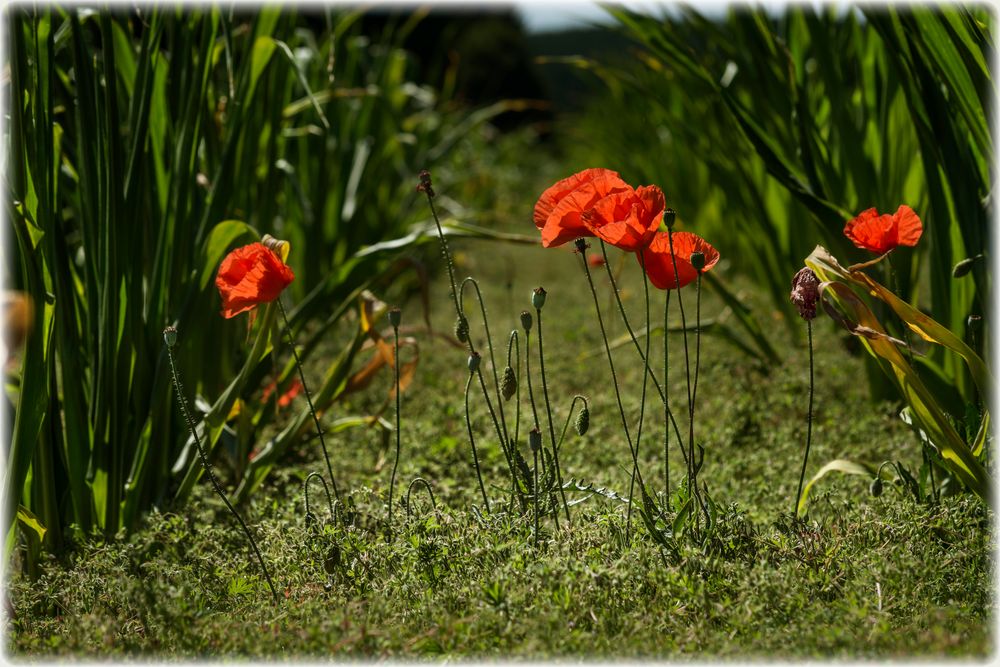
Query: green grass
x,y
450,585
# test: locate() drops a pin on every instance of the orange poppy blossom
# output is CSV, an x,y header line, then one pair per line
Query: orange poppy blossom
x,y
559,209
627,220
251,275
660,263
882,233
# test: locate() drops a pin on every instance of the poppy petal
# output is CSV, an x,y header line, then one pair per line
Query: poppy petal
x,y
908,226
549,199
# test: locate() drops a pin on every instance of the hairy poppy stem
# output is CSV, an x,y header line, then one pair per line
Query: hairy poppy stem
x,y
666,401
514,345
472,441
531,401
809,420
305,390
208,468
535,494
607,348
445,252
548,410
642,400
395,465
692,490
694,389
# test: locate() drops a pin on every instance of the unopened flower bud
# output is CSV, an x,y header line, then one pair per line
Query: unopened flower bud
x,y
395,317
508,385
583,420
170,336
581,245
963,267
805,293
698,260
669,217
462,328
538,298
535,439
876,487
474,359
425,183
526,320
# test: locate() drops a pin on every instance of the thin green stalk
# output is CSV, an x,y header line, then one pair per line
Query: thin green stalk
x,y
472,441
809,420
569,416
204,461
687,362
305,390
666,400
548,410
395,465
531,394
513,343
582,248
694,389
535,494
642,401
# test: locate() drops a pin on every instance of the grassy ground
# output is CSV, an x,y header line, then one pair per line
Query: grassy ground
x,y
863,578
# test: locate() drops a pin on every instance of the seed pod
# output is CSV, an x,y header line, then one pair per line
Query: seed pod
x,y
395,317
582,420
474,359
425,183
508,384
669,217
462,328
538,298
963,267
698,260
876,487
526,320
535,439
805,293
581,245
170,336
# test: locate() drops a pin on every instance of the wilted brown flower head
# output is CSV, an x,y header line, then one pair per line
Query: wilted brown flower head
x,y
805,293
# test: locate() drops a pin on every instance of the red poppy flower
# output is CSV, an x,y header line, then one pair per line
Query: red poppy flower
x,y
660,263
249,276
627,219
558,210
285,399
882,233
595,261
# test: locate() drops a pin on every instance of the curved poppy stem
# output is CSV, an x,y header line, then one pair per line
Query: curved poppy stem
x,y
305,390
809,421
642,400
445,252
569,416
582,248
472,441
548,410
208,469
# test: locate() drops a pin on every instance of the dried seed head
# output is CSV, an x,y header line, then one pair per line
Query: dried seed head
x,y
581,245
526,320
425,183
474,359
538,298
698,260
535,439
170,336
508,385
395,317
669,218
805,293
876,487
462,328
583,420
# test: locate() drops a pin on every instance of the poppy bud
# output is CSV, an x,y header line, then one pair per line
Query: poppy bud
x,y
669,217
963,267
395,316
805,293
583,420
698,260
508,385
170,336
474,359
876,487
462,328
538,298
526,320
581,245
535,439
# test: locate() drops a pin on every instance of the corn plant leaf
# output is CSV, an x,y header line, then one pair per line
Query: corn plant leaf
x,y
838,465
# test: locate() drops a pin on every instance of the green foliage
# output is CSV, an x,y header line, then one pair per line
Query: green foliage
x,y
143,146
767,132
